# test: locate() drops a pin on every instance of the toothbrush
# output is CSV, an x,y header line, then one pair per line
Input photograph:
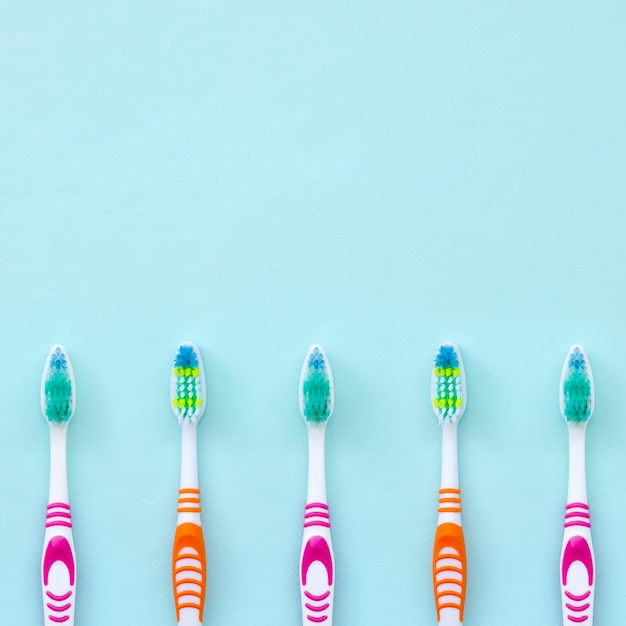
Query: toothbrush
x,y
58,563
577,571
187,392
448,396
317,566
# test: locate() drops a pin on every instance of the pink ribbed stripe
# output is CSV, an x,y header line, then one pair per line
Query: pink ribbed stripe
x,y
578,609
314,504
582,505
582,618
317,609
580,514
571,596
59,609
59,523
318,514
65,596
59,619
60,504
325,524
322,618
310,596
585,524
59,514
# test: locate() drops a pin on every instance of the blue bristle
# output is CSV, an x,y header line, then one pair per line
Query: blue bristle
x,y
186,357
446,357
316,359
57,360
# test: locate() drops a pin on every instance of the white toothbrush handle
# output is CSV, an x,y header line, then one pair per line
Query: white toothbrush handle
x,y
449,560
317,563
188,555
58,561
577,571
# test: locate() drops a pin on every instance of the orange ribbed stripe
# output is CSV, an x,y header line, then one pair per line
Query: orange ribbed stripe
x,y
188,581
449,568
188,568
449,490
189,491
456,594
195,594
459,510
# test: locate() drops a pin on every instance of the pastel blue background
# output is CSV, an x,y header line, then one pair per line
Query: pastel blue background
x,y
261,176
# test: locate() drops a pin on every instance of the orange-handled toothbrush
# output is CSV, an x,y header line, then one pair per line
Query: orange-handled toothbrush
x,y
449,562
188,559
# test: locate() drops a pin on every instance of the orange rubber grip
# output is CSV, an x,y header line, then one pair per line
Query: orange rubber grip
x,y
450,577
189,569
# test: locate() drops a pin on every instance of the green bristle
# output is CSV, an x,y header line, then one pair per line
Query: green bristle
x,y
316,391
58,390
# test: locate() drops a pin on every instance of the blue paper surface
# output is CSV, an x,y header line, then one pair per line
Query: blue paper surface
x,y
260,176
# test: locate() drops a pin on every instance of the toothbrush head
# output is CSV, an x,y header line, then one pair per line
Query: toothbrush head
x,y
316,387
187,386
447,389
576,393
58,390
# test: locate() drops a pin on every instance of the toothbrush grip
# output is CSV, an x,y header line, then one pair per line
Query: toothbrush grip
x,y
577,571
317,567
449,571
449,561
189,562
58,567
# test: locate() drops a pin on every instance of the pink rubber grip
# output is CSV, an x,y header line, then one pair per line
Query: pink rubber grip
x,y
577,602
58,550
317,603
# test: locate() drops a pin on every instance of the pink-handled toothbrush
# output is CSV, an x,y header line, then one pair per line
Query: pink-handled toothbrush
x,y
58,564
577,570
317,566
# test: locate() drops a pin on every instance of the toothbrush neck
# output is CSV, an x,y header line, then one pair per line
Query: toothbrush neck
x,y
449,460
58,464
189,457
577,487
317,473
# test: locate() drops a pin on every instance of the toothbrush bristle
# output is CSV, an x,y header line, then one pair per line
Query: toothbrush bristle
x,y
187,384
576,387
448,384
316,387
57,397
